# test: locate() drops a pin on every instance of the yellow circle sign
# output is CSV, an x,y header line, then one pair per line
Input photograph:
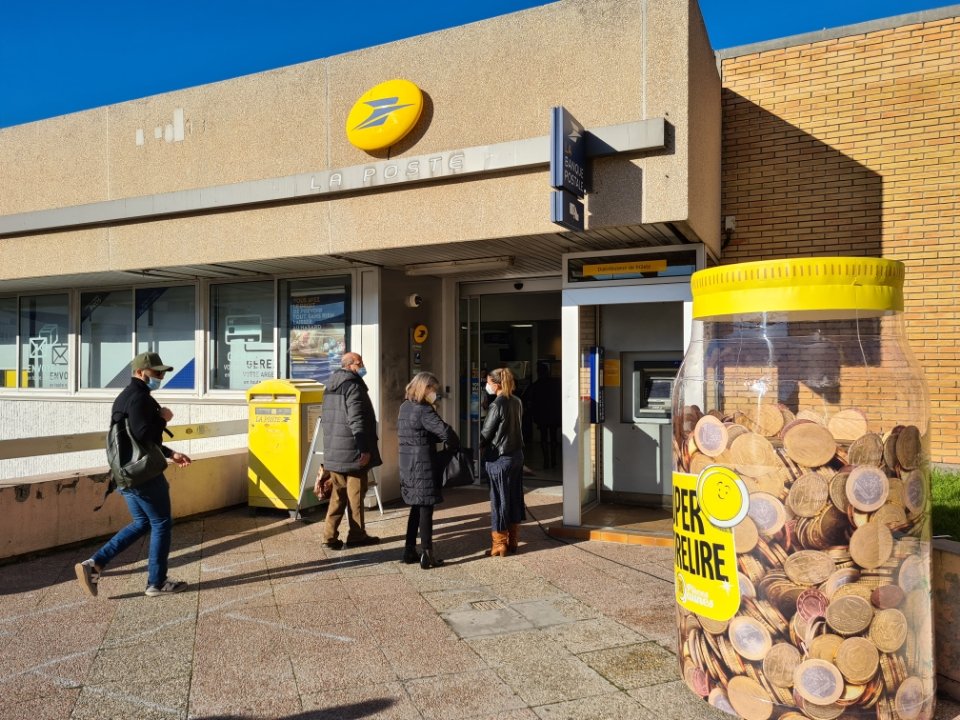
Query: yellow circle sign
x,y
722,495
384,114
420,333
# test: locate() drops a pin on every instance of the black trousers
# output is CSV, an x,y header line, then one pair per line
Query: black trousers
x,y
420,516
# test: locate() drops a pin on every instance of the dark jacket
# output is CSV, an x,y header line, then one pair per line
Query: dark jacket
x,y
502,429
419,429
349,424
145,422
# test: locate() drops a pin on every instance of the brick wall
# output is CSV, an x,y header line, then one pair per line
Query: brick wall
x,y
850,147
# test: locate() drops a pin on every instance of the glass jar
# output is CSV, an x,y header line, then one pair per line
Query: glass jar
x,y
801,494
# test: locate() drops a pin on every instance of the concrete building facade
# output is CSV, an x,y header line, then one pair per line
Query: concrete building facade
x,y
235,229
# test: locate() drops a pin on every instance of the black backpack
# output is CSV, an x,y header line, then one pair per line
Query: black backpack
x,y
131,462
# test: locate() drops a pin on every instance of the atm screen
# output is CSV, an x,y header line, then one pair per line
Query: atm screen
x,y
658,390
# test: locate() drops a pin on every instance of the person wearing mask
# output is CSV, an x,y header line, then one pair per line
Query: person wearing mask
x,y
349,450
148,502
501,442
419,430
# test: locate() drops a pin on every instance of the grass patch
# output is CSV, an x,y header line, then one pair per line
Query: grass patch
x,y
945,489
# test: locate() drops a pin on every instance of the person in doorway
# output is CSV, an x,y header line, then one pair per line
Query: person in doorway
x,y
544,398
149,502
419,430
501,442
349,450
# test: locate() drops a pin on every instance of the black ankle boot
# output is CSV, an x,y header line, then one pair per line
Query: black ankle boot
x,y
427,559
410,556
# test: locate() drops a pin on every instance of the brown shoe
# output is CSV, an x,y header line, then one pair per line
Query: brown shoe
x,y
499,546
513,537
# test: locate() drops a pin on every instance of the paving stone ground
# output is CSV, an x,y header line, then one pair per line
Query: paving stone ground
x,y
275,626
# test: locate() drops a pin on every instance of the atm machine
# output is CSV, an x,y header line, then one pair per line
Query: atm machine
x,y
639,461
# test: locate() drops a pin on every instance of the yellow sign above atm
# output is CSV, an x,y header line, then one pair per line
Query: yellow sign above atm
x,y
384,114
625,268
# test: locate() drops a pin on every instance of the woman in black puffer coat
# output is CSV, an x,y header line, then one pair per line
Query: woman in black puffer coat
x,y
419,430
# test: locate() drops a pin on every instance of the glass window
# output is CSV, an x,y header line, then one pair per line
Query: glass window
x,y
106,338
44,353
314,326
241,335
8,342
166,324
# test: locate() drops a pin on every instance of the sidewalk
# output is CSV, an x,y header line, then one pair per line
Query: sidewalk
x,y
276,626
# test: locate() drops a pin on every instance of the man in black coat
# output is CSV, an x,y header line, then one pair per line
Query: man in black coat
x,y
149,502
349,450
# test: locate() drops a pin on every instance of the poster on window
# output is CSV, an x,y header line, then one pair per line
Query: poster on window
x,y
317,335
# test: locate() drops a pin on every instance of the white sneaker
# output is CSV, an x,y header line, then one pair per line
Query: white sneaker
x,y
88,576
170,586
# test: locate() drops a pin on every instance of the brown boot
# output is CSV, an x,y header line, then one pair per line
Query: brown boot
x,y
499,546
513,537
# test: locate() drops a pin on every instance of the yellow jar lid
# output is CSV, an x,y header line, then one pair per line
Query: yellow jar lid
x,y
811,287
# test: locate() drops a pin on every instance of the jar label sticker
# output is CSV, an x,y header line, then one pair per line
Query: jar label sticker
x,y
705,508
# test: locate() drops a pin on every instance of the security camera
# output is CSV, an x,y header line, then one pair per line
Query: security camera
x,y
414,301
518,286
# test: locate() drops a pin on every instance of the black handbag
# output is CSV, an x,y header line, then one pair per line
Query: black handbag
x,y
457,470
131,462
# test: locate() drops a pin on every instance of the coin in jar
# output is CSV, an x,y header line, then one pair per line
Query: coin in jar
x,y
849,615
749,699
871,545
718,698
912,574
866,450
745,535
888,631
808,494
809,567
914,491
909,447
767,513
780,663
848,424
857,660
910,698
710,435
812,603
867,488
818,682
809,444
749,637
887,596
824,647
697,680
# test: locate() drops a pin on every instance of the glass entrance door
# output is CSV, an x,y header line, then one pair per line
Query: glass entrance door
x,y
520,332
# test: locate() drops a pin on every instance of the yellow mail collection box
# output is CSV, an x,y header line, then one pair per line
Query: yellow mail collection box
x,y
283,417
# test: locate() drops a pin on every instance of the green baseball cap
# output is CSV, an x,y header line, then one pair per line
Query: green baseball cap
x,y
149,361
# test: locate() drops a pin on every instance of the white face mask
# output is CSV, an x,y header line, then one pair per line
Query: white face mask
x,y
491,389
431,397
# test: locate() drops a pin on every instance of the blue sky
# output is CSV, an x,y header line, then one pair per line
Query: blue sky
x,y
60,56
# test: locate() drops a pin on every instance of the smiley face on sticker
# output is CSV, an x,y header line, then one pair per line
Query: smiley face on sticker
x,y
723,496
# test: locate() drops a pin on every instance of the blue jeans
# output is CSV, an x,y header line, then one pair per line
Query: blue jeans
x,y
149,506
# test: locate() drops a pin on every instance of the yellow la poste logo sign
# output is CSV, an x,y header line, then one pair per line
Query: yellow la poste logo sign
x,y
384,114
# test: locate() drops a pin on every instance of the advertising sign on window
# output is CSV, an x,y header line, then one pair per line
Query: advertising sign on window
x,y
317,334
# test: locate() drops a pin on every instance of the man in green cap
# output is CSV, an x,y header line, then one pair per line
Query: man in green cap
x,y
149,502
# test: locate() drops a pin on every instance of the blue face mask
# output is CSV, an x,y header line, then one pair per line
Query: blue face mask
x,y
362,371
153,383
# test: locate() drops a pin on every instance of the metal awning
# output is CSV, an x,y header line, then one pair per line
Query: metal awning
x,y
533,256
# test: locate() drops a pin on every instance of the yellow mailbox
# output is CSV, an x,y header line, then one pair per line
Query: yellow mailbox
x,y
282,422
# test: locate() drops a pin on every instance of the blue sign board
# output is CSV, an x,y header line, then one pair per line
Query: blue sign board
x,y
566,210
568,153
595,363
